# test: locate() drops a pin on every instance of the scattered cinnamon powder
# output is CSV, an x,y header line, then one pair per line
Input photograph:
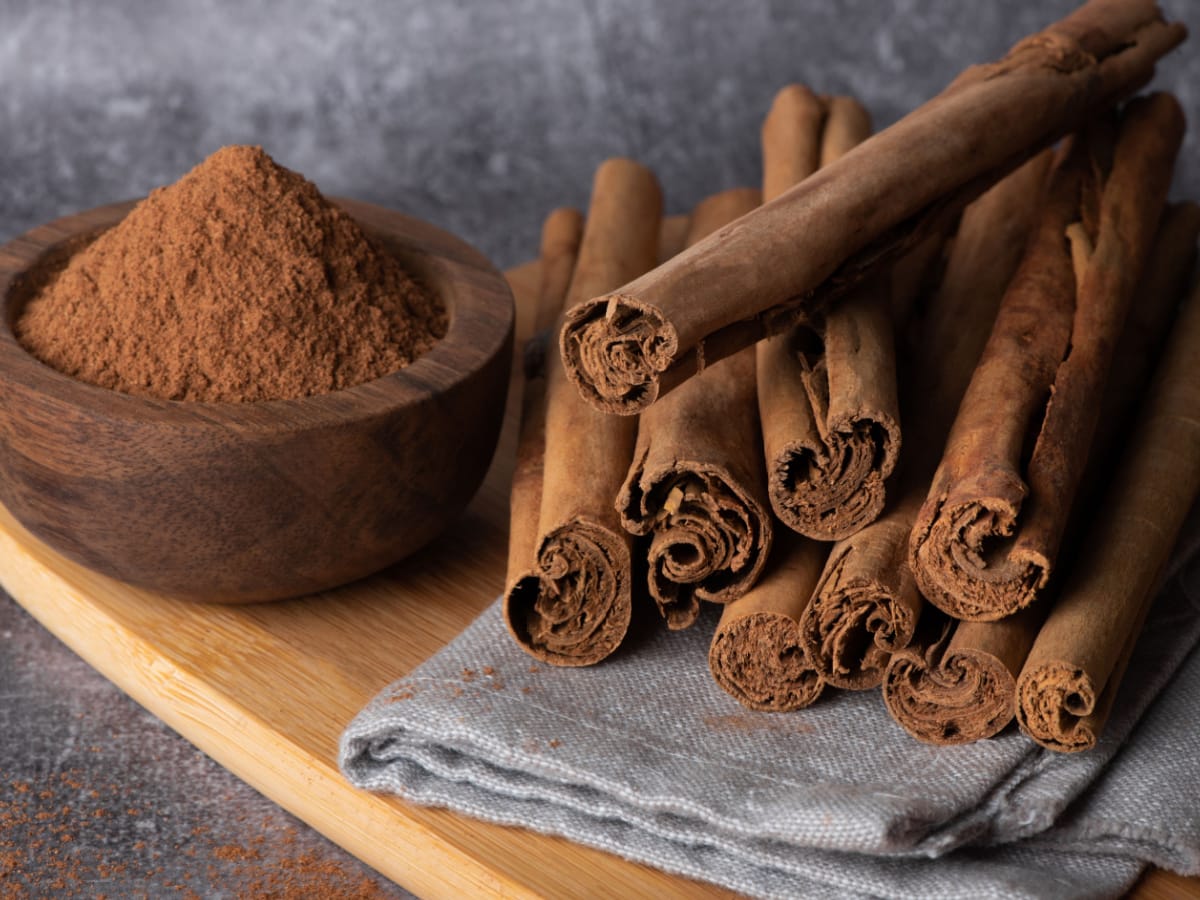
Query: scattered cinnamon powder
x,y
239,282
55,851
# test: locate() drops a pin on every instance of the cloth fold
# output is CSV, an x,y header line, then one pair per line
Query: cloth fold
x,y
644,756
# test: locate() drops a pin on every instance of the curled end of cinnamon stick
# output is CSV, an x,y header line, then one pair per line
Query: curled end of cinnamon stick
x,y
853,625
614,349
833,491
574,609
967,563
1055,703
759,661
965,696
710,537
830,414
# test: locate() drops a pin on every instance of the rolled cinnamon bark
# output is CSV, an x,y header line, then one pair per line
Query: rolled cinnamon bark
x,y
561,234
1163,286
751,280
866,605
1066,689
574,606
791,138
989,532
697,485
756,655
963,689
827,390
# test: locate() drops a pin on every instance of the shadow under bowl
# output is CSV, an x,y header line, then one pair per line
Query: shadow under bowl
x,y
244,502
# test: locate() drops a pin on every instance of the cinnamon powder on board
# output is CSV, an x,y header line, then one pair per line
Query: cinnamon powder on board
x,y
239,282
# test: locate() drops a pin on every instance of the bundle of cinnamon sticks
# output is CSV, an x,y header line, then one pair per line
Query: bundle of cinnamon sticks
x,y
723,420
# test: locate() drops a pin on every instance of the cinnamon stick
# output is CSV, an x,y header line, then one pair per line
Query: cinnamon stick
x,y
755,655
754,278
791,138
961,689
696,485
672,236
1067,687
914,278
561,234
827,391
573,605
989,532
1164,284
866,605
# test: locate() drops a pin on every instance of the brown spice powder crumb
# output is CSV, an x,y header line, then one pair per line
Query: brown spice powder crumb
x,y
272,864
239,282
233,852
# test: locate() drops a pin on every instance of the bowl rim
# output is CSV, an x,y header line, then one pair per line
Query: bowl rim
x,y
476,294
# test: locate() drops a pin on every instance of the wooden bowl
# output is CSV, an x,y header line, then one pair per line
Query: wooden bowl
x,y
242,502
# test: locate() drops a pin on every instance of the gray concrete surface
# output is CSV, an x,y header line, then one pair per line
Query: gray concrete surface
x,y
479,116
476,115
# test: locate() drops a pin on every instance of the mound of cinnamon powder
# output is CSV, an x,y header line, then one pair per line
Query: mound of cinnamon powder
x,y
239,282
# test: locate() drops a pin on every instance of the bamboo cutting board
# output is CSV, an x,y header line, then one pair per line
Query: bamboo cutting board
x,y
266,690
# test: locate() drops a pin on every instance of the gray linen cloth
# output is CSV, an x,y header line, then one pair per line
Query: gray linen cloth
x,y
645,757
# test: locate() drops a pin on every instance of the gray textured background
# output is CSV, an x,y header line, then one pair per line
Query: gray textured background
x,y
476,115
479,116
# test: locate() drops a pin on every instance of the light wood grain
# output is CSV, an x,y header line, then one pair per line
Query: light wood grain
x,y
1159,885
266,690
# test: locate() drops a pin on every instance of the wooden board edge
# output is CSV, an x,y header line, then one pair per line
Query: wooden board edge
x,y
298,781
1159,884
433,852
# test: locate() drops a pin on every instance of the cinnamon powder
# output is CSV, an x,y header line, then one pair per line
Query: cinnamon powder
x,y
52,849
239,282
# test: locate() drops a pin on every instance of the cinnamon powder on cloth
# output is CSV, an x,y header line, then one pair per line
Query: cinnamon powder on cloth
x,y
239,282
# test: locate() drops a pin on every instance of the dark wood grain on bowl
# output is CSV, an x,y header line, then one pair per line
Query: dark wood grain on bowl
x,y
240,502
